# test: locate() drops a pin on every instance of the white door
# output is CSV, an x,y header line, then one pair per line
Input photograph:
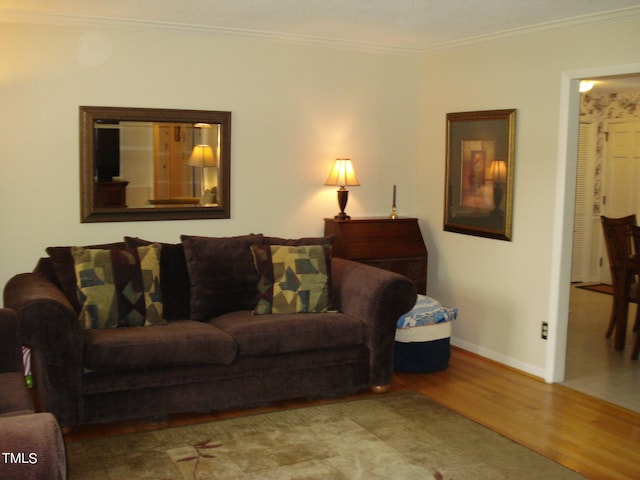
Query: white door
x,y
586,227
622,176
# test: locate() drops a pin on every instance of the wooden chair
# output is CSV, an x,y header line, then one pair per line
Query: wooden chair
x,y
619,250
635,235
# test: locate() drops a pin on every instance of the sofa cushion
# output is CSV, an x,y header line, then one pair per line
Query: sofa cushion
x,y
64,268
119,288
293,279
276,334
183,342
222,275
174,278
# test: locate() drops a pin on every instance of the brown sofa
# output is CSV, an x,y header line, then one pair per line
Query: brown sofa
x,y
31,445
214,352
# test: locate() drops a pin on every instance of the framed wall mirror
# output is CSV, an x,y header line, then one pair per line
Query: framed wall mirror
x,y
140,164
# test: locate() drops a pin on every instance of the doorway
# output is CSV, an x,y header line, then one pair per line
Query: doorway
x,y
608,169
607,180
612,189
563,221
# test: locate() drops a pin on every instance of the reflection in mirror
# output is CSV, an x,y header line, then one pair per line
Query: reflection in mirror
x,y
154,164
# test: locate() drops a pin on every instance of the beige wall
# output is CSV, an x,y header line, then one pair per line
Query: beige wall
x,y
504,290
294,108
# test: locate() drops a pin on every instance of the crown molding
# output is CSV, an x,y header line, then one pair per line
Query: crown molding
x,y
547,28
20,16
8,15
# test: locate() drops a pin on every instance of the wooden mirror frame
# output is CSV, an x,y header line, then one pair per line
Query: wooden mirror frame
x,y
89,213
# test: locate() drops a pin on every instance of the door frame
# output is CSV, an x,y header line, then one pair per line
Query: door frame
x,y
562,241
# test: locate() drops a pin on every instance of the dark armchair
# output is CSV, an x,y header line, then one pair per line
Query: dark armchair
x,y
31,444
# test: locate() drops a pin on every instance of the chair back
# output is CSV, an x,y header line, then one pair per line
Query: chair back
x,y
618,238
634,232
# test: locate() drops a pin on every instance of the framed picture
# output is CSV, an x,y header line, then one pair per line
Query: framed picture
x,y
479,173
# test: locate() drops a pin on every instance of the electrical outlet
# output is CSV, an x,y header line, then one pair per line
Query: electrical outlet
x,y
544,333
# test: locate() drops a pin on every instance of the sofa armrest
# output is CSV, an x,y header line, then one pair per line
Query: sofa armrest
x,y
10,351
49,326
31,447
377,297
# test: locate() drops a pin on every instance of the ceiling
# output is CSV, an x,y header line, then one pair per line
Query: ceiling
x,y
409,26
615,83
393,24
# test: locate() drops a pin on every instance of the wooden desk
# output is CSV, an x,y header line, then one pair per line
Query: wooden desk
x,y
111,194
394,245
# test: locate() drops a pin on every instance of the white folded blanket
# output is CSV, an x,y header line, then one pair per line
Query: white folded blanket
x,y
426,311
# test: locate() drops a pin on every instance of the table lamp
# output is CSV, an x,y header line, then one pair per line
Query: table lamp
x,y
202,157
499,176
342,175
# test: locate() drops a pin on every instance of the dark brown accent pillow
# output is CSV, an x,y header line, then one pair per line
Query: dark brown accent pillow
x,y
64,268
222,274
174,278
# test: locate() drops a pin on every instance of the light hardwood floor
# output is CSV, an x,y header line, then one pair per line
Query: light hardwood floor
x,y
593,437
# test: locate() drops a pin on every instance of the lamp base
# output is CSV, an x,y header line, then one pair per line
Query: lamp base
x,y
343,196
498,193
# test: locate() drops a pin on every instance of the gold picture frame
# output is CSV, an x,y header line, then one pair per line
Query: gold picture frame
x,y
479,173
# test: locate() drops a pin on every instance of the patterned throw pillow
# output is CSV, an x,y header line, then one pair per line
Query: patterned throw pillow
x,y
175,278
119,288
293,279
63,266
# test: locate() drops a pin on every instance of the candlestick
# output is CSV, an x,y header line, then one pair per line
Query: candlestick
x,y
394,213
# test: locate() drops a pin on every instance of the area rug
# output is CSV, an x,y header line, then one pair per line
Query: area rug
x,y
395,436
599,287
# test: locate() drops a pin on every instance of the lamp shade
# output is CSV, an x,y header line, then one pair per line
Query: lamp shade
x,y
498,171
202,156
342,174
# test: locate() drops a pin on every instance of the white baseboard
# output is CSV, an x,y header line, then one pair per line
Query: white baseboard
x,y
498,357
